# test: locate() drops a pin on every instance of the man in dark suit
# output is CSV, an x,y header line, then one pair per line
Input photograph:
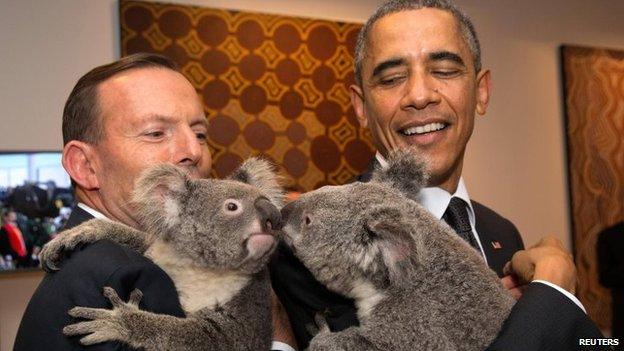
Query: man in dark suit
x,y
119,119
419,83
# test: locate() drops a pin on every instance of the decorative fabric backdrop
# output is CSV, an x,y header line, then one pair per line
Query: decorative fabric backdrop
x,y
271,85
594,101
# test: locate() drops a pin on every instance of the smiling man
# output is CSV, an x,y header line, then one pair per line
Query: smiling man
x,y
419,84
120,119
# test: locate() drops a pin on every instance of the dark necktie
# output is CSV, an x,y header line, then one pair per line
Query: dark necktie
x,y
456,216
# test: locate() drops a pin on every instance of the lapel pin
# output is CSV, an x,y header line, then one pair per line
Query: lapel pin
x,y
496,245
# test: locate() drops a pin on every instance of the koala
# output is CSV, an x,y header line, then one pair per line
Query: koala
x,y
213,238
416,284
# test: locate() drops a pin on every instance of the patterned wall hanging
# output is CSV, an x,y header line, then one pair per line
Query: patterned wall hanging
x,y
594,103
271,85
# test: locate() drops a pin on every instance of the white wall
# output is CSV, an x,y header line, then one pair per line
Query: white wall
x,y
516,163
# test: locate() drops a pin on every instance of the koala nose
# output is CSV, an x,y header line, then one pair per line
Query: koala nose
x,y
270,216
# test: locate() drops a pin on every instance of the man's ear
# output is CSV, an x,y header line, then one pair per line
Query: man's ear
x,y
484,89
357,101
391,233
158,193
259,173
78,160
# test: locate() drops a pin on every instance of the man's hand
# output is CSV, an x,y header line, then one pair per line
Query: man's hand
x,y
548,260
512,284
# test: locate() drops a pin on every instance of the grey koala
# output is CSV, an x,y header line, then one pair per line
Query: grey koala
x,y
416,284
213,238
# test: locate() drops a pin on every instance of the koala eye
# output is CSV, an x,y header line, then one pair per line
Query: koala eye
x,y
308,220
231,206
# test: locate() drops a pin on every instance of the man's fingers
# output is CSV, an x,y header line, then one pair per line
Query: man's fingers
x,y
507,269
516,293
549,240
509,282
523,265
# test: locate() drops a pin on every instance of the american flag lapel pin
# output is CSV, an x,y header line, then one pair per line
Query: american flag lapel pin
x,y
496,245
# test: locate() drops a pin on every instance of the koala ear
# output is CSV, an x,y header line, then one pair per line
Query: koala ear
x,y
391,234
157,194
406,172
259,173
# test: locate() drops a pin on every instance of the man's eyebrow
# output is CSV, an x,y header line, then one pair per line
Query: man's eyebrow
x,y
203,121
446,56
393,62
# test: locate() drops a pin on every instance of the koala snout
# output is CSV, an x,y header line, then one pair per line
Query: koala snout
x,y
270,216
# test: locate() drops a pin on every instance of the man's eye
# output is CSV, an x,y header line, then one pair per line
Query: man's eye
x,y
390,80
201,136
155,134
447,73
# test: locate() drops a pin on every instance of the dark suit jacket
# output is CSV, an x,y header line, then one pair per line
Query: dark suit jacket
x,y
79,283
543,319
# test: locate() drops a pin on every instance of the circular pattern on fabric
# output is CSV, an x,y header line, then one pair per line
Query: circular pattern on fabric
x,y
296,133
252,67
288,72
215,62
212,30
357,154
328,112
351,41
249,34
322,42
291,104
323,78
287,39
352,118
295,162
253,99
139,44
174,24
259,135
177,54
226,164
216,94
138,18
325,154
223,130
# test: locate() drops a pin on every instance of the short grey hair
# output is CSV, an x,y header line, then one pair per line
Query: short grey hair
x,y
465,24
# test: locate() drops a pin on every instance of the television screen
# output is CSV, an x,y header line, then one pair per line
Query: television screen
x,y
35,201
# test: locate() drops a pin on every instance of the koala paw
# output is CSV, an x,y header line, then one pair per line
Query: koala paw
x,y
54,251
102,324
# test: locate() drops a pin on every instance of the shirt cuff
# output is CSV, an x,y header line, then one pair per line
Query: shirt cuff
x,y
281,346
564,292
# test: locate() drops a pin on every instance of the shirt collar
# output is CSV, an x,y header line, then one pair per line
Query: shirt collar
x,y
91,211
435,199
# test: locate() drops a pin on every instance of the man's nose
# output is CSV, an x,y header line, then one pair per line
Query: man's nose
x,y
189,149
421,91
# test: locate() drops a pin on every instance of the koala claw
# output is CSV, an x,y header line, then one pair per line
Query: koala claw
x,y
321,322
50,258
133,302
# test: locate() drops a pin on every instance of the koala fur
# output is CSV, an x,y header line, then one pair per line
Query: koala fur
x,y
416,284
213,238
